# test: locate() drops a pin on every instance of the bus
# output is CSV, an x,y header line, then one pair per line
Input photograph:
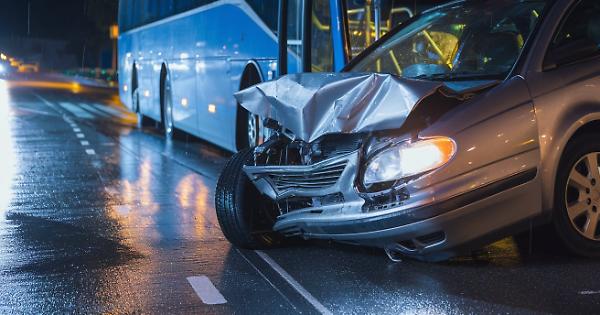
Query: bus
x,y
181,61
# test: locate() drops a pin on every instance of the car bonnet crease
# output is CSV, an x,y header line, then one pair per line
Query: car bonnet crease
x,y
313,104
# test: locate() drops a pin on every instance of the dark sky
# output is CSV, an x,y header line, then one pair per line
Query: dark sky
x,y
60,19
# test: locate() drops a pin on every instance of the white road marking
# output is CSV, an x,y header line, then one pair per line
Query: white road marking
x,y
110,110
90,151
589,292
85,143
299,288
265,277
76,110
76,130
206,290
89,108
80,135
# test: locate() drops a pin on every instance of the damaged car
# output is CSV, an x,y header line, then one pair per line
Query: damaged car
x,y
471,122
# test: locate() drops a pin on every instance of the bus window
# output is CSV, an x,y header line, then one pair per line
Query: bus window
x,y
321,45
295,25
267,10
361,18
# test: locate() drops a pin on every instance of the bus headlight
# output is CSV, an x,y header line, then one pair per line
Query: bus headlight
x,y
408,159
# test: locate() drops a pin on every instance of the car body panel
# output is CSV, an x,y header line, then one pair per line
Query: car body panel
x,y
509,138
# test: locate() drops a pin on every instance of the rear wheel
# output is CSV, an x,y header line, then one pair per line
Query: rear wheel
x,y
246,216
577,197
167,108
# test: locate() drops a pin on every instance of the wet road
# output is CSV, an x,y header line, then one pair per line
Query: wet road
x,y
97,216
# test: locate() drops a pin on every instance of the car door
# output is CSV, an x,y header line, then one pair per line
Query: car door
x,y
566,88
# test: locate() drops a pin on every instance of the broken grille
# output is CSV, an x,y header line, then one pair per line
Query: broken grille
x,y
318,178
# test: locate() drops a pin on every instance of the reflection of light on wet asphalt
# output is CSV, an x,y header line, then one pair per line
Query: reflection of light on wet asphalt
x,y
7,161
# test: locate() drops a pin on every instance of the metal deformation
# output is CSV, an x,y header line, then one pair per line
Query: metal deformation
x,y
313,104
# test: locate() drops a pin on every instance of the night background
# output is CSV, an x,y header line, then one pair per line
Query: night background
x,y
299,157
61,34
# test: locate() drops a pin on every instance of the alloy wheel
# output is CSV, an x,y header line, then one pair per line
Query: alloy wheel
x,y
257,133
582,196
168,112
253,130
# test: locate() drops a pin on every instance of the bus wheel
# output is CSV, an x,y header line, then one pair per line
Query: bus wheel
x,y
246,217
255,133
253,130
142,121
167,110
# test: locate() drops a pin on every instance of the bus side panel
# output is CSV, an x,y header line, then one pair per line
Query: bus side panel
x,y
181,64
125,69
205,52
226,47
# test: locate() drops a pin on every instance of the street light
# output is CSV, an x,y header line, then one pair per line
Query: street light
x,y
114,35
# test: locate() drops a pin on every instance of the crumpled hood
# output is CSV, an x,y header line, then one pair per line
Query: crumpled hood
x,y
313,104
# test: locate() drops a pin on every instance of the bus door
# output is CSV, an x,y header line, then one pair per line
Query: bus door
x,y
299,52
356,25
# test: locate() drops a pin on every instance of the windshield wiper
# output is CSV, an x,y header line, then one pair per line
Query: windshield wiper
x,y
449,76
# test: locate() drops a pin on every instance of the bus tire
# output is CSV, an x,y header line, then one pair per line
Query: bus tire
x,y
166,103
142,121
245,216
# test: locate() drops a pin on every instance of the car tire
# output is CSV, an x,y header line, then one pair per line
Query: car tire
x,y
577,196
246,216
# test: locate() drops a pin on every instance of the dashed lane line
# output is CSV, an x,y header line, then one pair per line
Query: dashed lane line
x,y
80,135
206,290
85,143
90,151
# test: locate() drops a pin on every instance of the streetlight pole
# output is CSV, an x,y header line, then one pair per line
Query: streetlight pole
x,y
28,18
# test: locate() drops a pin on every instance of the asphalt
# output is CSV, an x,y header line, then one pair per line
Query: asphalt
x,y
100,217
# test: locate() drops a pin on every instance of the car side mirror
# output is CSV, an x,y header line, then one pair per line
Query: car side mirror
x,y
570,52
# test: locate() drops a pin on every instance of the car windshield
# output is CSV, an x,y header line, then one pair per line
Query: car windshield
x,y
467,40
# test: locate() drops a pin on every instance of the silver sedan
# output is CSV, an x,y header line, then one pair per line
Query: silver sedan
x,y
471,122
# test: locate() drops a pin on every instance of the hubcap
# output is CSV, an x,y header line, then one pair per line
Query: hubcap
x,y
168,113
252,130
582,196
257,133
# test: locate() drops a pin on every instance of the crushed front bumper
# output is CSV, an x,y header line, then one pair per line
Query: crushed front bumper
x,y
428,225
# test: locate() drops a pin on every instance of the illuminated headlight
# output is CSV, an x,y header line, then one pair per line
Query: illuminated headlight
x,y
2,68
408,159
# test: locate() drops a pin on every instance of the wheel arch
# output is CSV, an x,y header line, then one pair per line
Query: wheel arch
x,y
588,124
134,86
250,76
164,73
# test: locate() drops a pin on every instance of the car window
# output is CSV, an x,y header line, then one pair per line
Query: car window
x,y
460,41
583,23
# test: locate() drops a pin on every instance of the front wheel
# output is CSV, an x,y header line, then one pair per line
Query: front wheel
x,y
142,121
251,130
246,216
577,197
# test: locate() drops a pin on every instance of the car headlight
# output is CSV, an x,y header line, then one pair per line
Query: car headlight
x,y
2,68
408,159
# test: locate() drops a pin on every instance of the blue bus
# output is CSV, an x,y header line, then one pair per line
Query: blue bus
x,y
181,61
